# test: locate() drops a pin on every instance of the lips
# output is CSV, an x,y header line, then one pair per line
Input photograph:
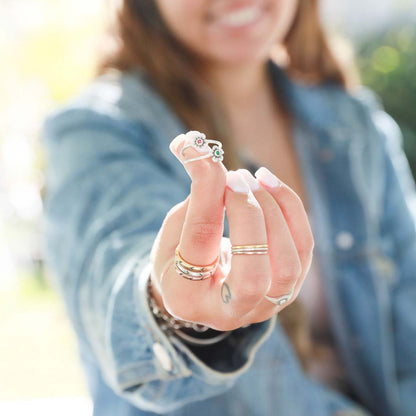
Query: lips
x,y
238,15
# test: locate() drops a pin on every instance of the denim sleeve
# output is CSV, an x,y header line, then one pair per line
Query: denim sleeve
x,y
107,195
399,222
400,218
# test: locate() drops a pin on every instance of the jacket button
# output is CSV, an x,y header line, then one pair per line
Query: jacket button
x,y
344,240
162,356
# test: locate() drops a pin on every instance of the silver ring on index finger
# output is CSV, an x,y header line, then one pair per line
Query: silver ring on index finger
x,y
200,143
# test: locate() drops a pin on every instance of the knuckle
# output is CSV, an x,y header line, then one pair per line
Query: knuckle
x,y
202,231
252,289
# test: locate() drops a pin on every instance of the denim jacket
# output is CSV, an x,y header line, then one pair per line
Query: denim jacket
x,y
111,180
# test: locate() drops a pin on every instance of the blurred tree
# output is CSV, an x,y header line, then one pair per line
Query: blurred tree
x,y
387,62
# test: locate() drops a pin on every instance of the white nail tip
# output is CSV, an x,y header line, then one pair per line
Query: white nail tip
x,y
250,179
265,176
236,182
173,145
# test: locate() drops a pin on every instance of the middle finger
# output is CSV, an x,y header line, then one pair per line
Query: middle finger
x,y
286,264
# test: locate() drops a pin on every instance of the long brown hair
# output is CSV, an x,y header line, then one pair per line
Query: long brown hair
x,y
174,70
142,39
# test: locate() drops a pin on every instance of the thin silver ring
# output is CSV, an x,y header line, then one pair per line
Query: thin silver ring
x,y
193,275
250,251
200,143
205,145
281,300
193,272
216,153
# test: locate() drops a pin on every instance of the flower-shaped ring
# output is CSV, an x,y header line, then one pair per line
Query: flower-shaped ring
x,y
200,143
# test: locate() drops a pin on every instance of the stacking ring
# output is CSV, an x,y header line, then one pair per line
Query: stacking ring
x,y
200,143
281,300
250,249
191,271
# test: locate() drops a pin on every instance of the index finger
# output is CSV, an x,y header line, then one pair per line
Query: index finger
x,y
204,221
203,226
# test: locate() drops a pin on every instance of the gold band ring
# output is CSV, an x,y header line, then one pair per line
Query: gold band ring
x,y
191,271
250,249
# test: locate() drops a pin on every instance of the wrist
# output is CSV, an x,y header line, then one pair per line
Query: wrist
x,y
190,332
163,316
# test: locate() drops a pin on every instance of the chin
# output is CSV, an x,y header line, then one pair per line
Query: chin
x,y
240,55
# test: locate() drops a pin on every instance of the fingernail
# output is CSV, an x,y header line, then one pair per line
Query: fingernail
x,y
173,146
265,176
250,179
236,182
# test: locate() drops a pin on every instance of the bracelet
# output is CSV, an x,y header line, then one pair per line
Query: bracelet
x,y
170,324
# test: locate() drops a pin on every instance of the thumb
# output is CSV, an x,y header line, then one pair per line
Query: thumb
x,y
163,249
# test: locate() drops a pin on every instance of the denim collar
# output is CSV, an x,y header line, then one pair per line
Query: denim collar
x,y
318,106
312,104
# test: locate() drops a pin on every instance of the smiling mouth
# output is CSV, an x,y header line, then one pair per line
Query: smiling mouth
x,y
241,17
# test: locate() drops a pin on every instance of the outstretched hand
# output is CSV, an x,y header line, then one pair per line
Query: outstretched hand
x,y
260,210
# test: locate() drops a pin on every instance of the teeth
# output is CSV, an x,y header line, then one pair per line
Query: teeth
x,y
241,17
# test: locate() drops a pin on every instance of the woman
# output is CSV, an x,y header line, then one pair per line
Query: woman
x,y
259,77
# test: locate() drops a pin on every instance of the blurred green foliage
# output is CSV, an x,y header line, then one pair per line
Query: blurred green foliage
x,y
388,65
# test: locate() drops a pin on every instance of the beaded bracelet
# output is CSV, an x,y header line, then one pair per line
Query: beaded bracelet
x,y
168,323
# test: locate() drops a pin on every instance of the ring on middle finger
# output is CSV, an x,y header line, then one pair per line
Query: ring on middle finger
x,y
250,249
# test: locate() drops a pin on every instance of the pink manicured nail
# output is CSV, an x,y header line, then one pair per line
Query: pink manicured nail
x,y
265,176
236,182
250,179
173,146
